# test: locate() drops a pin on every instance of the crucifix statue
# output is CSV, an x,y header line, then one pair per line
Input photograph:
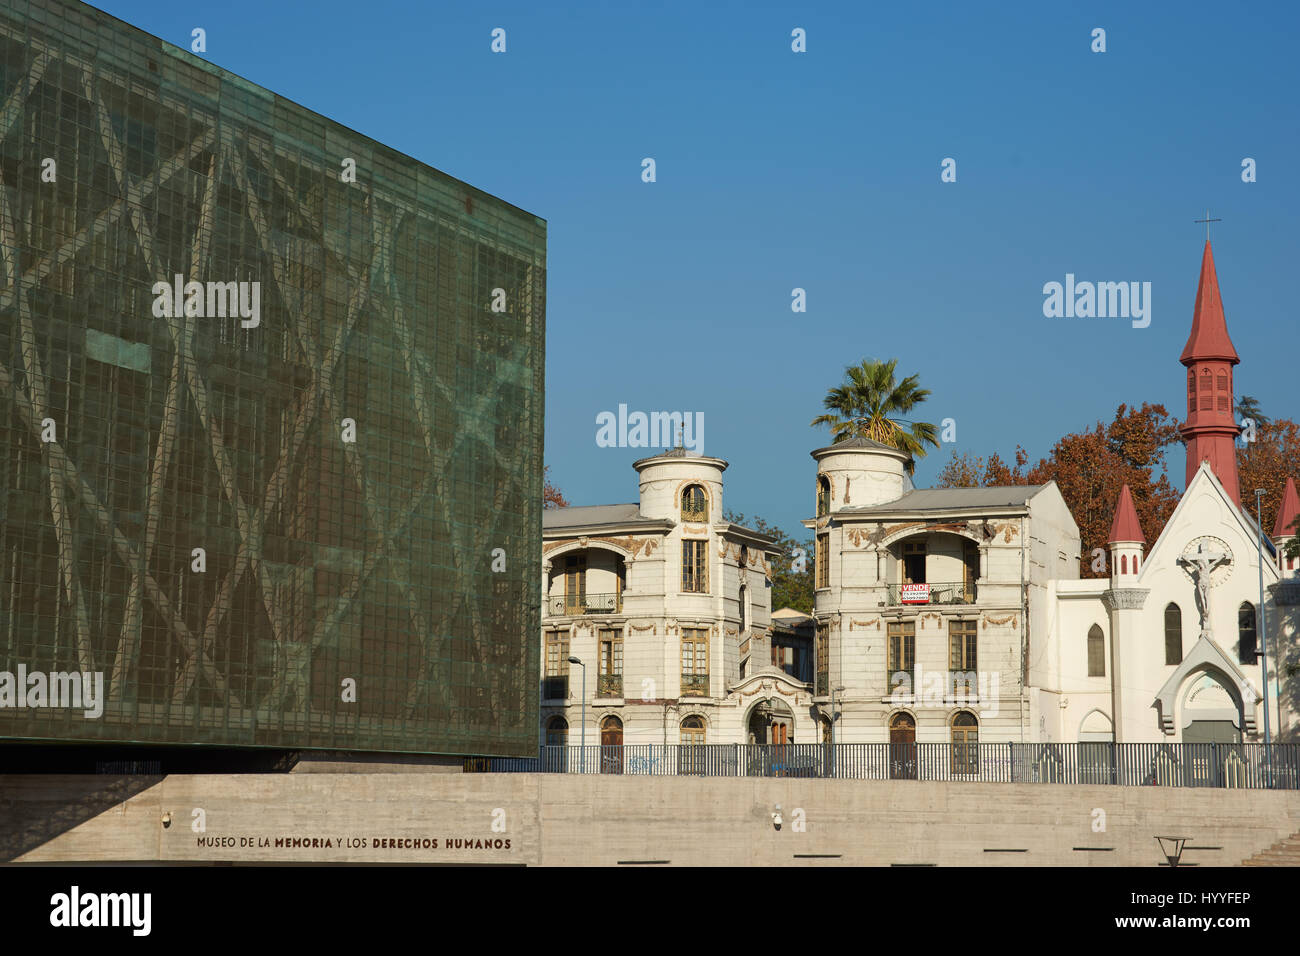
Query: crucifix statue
x,y
1203,563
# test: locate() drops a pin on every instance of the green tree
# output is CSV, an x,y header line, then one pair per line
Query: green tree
x,y
1248,407
792,580
869,405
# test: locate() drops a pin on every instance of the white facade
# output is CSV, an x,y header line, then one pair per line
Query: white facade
x,y
1158,685
666,603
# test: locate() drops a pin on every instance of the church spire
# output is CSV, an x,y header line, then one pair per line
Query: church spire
x,y
1211,428
1209,336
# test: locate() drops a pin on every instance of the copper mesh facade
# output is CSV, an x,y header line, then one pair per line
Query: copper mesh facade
x,y
345,596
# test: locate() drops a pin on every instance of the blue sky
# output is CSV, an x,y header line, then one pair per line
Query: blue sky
x,y
821,170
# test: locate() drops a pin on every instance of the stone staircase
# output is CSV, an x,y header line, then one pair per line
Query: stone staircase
x,y
1283,853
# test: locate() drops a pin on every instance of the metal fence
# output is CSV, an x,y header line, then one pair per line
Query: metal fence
x,y
1249,766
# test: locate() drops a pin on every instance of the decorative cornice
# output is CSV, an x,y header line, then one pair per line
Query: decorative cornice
x,y
630,544
1125,599
1011,619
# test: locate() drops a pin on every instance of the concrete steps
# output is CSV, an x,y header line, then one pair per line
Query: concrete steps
x,y
1283,853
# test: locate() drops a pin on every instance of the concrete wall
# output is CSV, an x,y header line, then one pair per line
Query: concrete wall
x,y
602,820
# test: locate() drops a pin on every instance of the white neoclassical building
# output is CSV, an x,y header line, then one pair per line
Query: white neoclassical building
x,y
943,615
667,607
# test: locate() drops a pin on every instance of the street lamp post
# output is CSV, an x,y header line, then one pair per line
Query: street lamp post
x,y
1263,639
582,760
835,717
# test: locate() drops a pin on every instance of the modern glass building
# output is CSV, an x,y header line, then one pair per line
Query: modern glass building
x,y
297,505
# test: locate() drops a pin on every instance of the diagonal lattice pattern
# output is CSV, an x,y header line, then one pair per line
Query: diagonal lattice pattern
x,y
326,559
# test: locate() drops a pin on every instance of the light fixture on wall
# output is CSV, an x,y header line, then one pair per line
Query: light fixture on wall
x,y
776,817
167,819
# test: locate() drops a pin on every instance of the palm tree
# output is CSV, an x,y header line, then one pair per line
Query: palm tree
x,y
867,406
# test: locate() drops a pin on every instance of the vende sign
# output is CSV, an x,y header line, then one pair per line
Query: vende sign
x,y
916,594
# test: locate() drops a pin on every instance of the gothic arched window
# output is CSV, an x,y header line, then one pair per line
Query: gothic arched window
x,y
1173,634
1247,634
1096,652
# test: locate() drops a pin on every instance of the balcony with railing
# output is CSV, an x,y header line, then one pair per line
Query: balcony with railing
x,y
572,605
695,685
609,685
947,592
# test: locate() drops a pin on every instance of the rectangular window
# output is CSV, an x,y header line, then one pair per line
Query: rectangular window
x,y
902,653
823,661
914,562
556,685
962,666
961,645
695,661
610,681
695,566
575,583
822,557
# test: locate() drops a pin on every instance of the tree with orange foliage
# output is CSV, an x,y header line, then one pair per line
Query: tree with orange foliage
x,y
551,496
1265,463
1090,468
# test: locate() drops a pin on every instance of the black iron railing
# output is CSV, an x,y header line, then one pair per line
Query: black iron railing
x,y
695,685
567,605
1245,766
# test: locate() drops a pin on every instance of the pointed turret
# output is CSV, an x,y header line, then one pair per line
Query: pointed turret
x,y
1126,541
1126,527
1288,512
1284,531
1211,427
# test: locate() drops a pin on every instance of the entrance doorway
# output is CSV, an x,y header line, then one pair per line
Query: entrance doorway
x,y
611,745
902,747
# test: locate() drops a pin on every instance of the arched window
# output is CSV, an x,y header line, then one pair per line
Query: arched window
x,y
965,743
1173,634
1135,564
1247,635
695,504
693,731
744,612
1096,652
823,496
557,732
1123,564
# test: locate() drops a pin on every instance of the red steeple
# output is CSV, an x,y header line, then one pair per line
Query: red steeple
x,y
1211,428
1126,528
1286,514
1209,338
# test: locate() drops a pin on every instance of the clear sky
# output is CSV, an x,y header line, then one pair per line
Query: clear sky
x,y
821,170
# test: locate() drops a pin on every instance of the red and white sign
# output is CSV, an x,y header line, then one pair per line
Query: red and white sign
x,y
916,594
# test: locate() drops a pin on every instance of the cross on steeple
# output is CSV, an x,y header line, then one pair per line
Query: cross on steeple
x,y
1207,220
